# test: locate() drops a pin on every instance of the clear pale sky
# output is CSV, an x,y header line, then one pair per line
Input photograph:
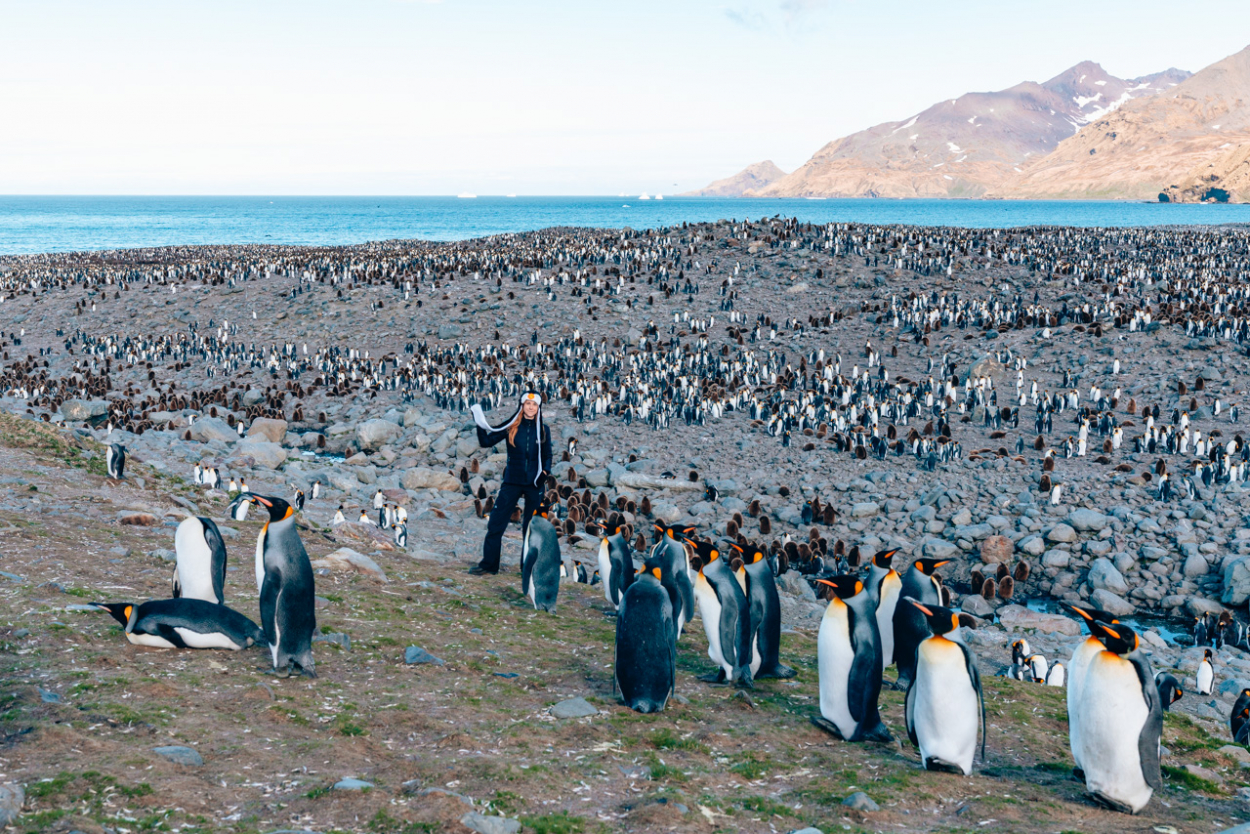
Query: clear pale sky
x,y
409,97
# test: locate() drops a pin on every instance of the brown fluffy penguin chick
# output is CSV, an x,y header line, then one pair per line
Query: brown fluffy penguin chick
x,y
766,526
753,509
481,492
1006,588
1044,485
1048,465
644,506
477,507
488,506
988,590
731,529
829,514
640,543
1001,572
852,556
1022,571
977,579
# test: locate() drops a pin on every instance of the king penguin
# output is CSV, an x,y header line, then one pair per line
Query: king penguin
x,y
848,656
201,569
646,643
944,704
726,616
672,553
1119,722
911,626
1170,690
616,567
285,578
884,584
1205,678
115,461
761,592
1081,657
540,560
184,624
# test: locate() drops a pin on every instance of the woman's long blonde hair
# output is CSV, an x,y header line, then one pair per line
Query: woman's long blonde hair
x,y
516,424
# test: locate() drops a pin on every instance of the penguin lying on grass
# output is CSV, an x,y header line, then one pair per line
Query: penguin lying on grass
x,y
184,624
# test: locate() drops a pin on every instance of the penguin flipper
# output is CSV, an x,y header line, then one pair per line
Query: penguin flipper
x,y
909,715
217,547
163,630
974,676
1152,730
269,604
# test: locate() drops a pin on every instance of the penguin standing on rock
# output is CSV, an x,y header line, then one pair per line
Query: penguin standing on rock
x,y
285,578
401,535
616,567
1206,674
540,560
646,643
201,568
911,626
115,461
765,606
726,616
1120,722
184,624
848,653
944,704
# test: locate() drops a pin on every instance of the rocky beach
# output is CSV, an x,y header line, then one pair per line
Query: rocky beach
x,y
1056,411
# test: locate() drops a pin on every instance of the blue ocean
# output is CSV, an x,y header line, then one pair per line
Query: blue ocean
x,y
31,224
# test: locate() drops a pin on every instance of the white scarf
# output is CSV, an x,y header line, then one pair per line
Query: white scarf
x,y
479,417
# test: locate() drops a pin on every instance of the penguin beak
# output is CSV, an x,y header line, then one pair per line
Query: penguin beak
x,y
926,611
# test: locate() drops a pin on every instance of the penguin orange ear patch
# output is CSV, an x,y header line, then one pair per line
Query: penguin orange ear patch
x,y
656,571
127,611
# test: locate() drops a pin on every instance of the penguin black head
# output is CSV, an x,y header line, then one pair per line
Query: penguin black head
x,y
544,508
120,611
883,558
941,620
706,551
1206,655
1119,639
928,566
276,507
1091,614
844,586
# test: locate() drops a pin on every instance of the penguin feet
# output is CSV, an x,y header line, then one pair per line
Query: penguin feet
x,y
936,764
899,685
781,672
828,726
1113,804
713,677
1078,775
879,733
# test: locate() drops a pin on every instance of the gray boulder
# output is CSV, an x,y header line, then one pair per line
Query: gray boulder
x,y
1111,603
265,453
12,797
483,824
423,477
268,428
374,434
1086,521
1103,575
180,755
76,411
1061,533
1236,582
206,429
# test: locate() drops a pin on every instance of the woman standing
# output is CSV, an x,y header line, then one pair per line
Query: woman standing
x,y
529,462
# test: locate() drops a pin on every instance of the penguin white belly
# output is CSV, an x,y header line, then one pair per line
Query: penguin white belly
x,y
149,640
277,629
260,559
1113,713
944,708
834,655
194,573
756,660
1077,667
1206,678
605,571
213,640
709,612
885,619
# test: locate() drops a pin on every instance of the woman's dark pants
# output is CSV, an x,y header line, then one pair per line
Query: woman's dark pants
x,y
501,513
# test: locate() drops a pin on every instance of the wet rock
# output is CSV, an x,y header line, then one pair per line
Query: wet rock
x,y
792,582
78,411
938,549
977,606
574,708
1034,545
1111,603
180,755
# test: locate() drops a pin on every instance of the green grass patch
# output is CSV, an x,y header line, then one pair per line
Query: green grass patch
x,y
1182,778
666,739
750,766
766,807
